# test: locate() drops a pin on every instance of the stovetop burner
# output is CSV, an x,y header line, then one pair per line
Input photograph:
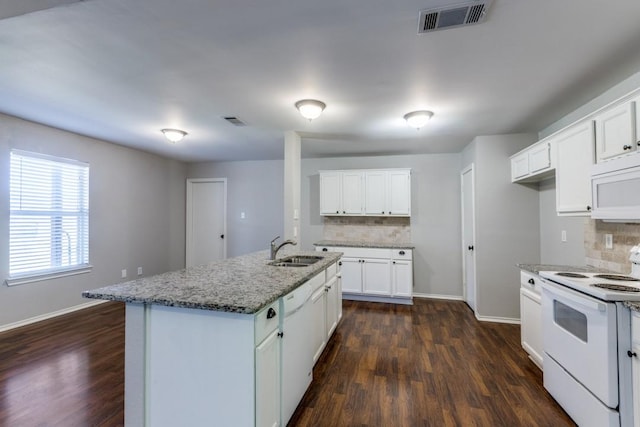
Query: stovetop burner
x,y
616,277
574,275
620,288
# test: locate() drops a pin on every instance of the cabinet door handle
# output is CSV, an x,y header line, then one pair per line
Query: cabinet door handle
x,y
627,147
470,248
532,282
393,262
280,334
325,250
401,252
222,236
632,353
340,263
382,212
271,313
344,212
588,208
337,212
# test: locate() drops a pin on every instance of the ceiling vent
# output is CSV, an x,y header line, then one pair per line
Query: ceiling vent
x,y
235,121
457,15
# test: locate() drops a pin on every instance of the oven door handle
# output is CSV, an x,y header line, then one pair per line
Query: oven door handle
x,y
574,297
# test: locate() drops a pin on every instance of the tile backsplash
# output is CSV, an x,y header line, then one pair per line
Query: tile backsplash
x,y
367,229
624,237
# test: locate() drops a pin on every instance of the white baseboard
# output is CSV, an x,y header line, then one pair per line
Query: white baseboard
x,y
373,298
46,316
510,320
438,296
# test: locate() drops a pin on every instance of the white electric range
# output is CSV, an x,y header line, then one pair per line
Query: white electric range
x,y
587,343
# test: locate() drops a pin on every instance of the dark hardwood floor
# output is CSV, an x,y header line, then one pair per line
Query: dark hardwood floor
x,y
66,371
430,364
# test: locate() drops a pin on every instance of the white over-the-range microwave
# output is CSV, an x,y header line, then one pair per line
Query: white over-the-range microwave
x,y
615,189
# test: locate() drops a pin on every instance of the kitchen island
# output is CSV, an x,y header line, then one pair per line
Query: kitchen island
x,y
202,343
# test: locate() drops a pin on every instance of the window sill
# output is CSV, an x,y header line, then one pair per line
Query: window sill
x,y
21,280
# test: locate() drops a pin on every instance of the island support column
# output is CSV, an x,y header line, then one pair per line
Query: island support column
x,y
134,365
292,160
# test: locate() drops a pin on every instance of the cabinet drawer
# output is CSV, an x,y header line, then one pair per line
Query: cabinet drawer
x,y
530,281
266,321
332,270
352,252
401,254
317,281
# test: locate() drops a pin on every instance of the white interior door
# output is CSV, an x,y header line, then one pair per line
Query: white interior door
x,y
468,237
206,220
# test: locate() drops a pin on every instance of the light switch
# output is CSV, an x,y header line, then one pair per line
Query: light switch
x,y
124,273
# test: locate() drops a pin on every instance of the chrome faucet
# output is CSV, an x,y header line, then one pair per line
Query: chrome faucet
x,y
275,248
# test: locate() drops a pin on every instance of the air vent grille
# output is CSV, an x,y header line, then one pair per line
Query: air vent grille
x,y
472,12
235,121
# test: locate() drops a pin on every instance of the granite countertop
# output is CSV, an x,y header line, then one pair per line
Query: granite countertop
x,y
244,284
537,268
355,244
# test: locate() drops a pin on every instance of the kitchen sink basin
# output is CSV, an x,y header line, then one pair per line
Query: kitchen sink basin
x,y
296,261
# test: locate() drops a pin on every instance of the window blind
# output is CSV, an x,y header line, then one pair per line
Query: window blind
x,y
49,214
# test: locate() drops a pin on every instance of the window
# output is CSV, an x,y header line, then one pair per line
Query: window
x,y
49,217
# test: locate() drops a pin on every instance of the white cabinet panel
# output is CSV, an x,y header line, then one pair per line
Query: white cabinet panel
x,y
574,157
334,300
330,193
352,193
268,381
615,131
375,200
376,276
519,166
319,314
402,278
539,158
399,193
351,275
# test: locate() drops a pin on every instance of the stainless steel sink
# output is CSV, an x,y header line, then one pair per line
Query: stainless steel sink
x,y
296,261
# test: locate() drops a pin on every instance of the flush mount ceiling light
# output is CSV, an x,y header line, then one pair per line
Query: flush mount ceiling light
x,y
310,108
417,119
174,135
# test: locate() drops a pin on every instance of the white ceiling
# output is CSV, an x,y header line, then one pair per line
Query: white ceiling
x,y
120,70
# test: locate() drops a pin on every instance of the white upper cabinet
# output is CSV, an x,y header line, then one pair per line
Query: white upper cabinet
x,y
616,131
399,193
375,199
574,158
534,163
330,193
375,192
352,193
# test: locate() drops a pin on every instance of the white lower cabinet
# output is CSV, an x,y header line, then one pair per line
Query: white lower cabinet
x,y
333,306
635,365
531,316
319,310
268,381
376,274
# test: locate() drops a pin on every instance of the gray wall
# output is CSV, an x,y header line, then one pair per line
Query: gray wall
x,y
136,208
552,249
507,224
435,213
255,188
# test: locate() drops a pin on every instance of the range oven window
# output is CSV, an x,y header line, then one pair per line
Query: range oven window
x,y
570,320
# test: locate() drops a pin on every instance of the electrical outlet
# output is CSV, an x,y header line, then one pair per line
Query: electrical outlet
x,y
608,241
139,271
564,235
242,215
124,273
